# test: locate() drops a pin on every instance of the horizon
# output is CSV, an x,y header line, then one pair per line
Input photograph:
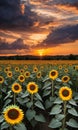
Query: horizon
x,y
39,28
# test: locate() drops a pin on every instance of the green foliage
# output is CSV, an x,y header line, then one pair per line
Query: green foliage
x,y
61,114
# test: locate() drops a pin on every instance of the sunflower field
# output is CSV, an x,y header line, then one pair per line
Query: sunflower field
x,y
38,95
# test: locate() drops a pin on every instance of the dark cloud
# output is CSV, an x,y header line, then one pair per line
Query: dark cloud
x,y
17,45
10,15
62,35
73,3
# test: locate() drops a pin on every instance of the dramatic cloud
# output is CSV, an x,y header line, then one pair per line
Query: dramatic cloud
x,y
11,16
29,25
18,44
62,35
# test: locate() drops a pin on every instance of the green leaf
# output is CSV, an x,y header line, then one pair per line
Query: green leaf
x,y
25,94
56,110
7,102
4,89
59,117
76,97
22,100
55,123
38,96
20,127
58,101
73,112
58,80
4,125
70,82
5,82
40,118
29,104
46,78
72,123
68,106
72,102
33,122
39,105
46,93
1,118
48,104
30,114
8,95
47,84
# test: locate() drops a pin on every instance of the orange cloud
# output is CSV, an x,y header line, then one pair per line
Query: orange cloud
x,y
68,7
22,8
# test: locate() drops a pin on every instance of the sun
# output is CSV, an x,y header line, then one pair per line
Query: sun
x,y
41,52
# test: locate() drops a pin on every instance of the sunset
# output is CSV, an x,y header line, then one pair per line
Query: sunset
x,y
38,27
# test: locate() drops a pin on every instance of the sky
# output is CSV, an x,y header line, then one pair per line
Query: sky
x,y
38,27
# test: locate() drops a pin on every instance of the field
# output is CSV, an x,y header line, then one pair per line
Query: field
x,y
38,94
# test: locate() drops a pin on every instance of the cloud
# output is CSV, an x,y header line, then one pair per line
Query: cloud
x,y
17,45
62,35
11,16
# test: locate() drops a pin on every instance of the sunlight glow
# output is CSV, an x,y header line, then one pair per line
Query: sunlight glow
x,y
41,52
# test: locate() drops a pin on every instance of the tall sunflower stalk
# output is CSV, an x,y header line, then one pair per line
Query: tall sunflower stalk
x,y
52,88
64,120
53,74
16,88
65,93
32,88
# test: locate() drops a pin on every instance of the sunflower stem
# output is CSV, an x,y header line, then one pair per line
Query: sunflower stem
x,y
52,88
14,98
32,100
10,128
63,123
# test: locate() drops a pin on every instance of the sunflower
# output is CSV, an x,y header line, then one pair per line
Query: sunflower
x,y
1,79
35,69
13,114
16,88
65,79
65,93
32,87
17,69
22,71
76,67
9,74
27,74
42,67
25,67
21,78
53,74
6,69
66,70
60,67
39,75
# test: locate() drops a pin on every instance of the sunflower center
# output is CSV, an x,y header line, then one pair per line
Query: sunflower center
x,y
27,74
53,73
13,114
0,79
65,93
9,74
32,87
16,87
21,78
65,78
38,74
6,69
